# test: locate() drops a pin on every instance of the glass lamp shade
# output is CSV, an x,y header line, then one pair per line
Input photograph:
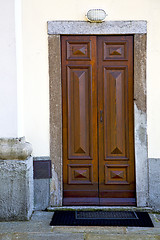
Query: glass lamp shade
x,y
96,15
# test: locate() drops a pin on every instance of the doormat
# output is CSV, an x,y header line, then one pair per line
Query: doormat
x,y
101,218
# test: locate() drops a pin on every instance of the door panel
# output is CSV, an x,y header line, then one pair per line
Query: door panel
x,y
98,143
115,114
80,165
115,98
80,138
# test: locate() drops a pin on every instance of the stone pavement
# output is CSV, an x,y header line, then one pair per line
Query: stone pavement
x,y
38,229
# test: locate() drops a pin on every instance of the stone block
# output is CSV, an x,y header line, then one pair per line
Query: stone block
x,y
16,189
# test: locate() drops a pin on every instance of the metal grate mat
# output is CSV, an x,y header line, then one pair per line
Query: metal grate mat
x,y
105,215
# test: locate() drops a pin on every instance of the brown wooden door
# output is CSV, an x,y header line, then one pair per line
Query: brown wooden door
x,y
98,143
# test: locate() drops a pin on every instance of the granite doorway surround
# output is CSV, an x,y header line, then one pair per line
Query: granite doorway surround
x,y
139,30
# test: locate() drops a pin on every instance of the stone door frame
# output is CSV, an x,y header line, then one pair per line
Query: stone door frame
x,y
139,30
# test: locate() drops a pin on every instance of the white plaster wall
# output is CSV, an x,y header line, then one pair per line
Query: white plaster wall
x,y
19,64
8,80
35,14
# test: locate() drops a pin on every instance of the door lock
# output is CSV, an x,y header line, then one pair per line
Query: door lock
x,y
101,115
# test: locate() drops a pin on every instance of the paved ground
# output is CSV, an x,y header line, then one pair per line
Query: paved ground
x,y
38,229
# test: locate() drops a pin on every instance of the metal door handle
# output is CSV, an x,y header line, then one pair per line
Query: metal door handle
x,y
101,115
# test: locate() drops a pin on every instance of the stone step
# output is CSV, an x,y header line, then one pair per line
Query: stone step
x,y
96,208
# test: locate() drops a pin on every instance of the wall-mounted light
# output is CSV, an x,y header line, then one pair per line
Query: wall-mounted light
x,y
96,15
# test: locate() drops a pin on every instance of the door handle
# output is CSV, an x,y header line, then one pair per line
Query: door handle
x,y
101,115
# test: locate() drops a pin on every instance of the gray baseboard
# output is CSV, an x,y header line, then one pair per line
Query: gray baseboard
x,y
154,183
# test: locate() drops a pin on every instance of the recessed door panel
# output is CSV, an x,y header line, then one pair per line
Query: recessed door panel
x,y
115,112
98,142
77,50
79,82
115,50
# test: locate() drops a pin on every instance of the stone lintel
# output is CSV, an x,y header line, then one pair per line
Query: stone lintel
x,y
107,27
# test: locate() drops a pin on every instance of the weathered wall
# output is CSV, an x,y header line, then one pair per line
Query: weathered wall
x,y
35,60
140,119
55,119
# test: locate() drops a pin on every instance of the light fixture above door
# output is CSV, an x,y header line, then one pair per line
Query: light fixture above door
x,y
96,15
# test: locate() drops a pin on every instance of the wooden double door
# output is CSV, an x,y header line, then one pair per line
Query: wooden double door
x,y
98,129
